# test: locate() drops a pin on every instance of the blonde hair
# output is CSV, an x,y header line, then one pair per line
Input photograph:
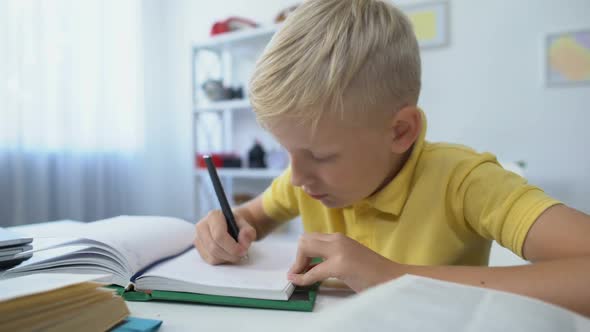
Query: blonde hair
x,y
332,53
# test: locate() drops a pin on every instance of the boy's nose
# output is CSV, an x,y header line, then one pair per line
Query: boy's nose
x,y
300,175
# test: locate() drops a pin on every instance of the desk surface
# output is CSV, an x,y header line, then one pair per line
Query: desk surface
x,y
185,317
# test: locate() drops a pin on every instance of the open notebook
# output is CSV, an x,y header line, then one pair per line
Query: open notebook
x,y
153,258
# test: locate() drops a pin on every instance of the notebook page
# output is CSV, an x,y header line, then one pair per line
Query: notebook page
x,y
265,269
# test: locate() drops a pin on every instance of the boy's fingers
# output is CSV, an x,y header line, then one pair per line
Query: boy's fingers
x,y
301,262
223,239
203,253
213,249
317,273
307,249
246,236
242,223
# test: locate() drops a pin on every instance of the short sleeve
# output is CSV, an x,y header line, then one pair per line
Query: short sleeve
x,y
498,204
280,200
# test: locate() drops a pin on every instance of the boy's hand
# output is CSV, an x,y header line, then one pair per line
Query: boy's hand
x,y
356,265
214,243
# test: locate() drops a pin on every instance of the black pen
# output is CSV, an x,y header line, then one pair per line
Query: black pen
x,y
232,227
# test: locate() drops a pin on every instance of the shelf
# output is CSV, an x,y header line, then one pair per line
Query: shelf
x,y
236,104
244,173
238,39
234,52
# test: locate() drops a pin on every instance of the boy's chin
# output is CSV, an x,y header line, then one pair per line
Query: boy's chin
x,y
334,203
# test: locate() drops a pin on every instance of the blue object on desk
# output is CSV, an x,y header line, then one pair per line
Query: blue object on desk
x,y
134,324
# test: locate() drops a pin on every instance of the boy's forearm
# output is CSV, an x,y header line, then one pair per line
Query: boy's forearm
x,y
564,282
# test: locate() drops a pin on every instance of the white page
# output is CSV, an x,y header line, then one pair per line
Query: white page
x,y
142,240
49,260
50,255
61,228
413,303
137,240
39,283
265,269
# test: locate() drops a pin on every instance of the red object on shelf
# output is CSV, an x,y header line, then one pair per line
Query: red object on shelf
x,y
230,160
231,24
215,157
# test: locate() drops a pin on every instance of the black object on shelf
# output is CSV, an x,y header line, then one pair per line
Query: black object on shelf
x,y
232,161
257,156
237,92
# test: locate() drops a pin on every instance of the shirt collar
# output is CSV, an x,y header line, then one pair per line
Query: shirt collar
x,y
392,198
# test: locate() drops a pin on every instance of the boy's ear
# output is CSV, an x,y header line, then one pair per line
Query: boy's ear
x,y
406,126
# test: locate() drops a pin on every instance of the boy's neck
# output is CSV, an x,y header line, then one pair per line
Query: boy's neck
x,y
395,169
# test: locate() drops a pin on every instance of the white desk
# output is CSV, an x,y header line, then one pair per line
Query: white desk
x,y
183,317
192,317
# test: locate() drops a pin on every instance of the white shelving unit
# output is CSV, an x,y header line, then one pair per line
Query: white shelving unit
x,y
238,41
230,49
243,173
229,105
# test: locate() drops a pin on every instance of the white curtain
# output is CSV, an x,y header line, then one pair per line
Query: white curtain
x,y
71,120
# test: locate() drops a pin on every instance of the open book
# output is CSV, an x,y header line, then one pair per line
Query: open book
x,y
154,255
412,303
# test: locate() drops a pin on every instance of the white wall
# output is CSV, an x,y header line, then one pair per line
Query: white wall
x,y
165,181
485,89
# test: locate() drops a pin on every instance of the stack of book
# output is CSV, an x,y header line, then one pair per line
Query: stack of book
x,y
14,248
59,302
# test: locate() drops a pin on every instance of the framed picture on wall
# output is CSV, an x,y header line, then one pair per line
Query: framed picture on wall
x,y
430,21
567,58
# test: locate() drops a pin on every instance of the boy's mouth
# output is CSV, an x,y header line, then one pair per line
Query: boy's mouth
x,y
316,196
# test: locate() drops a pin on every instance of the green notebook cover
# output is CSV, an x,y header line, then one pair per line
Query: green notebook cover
x,y
302,299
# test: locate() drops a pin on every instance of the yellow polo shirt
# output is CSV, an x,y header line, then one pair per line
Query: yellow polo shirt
x,y
443,208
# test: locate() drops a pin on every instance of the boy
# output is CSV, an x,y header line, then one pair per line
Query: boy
x,y
338,87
